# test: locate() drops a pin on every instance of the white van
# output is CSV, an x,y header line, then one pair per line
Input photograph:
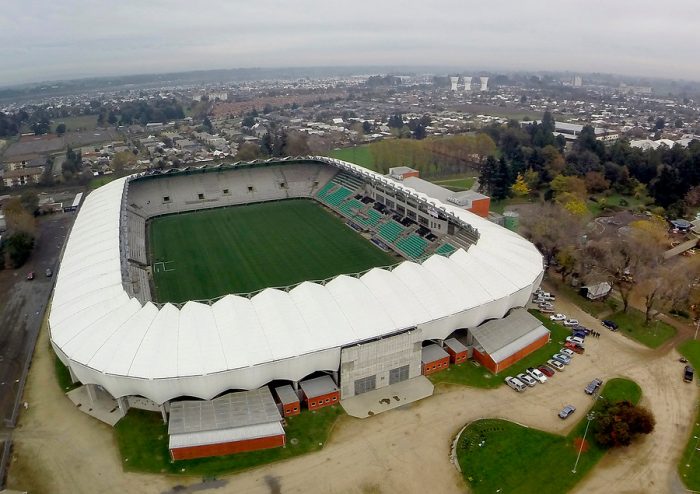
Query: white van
x,y
516,384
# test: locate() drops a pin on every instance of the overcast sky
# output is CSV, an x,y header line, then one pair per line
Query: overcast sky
x,y
49,39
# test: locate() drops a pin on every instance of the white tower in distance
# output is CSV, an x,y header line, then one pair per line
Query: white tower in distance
x,y
454,80
467,83
484,83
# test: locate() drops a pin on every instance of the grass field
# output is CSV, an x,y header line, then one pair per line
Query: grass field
x,y
245,248
360,155
689,463
143,444
500,456
470,374
632,325
81,122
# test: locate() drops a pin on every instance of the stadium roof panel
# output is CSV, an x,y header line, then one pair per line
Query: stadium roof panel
x,y
107,337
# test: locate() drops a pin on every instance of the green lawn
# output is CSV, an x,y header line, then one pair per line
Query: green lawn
x,y
689,463
471,374
63,375
613,202
100,181
143,444
360,155
500,456
241,249
632,325
80,122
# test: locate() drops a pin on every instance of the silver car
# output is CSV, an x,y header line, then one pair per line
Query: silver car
x,y
562,358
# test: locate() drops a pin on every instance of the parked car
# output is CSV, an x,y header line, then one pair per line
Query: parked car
x,y
611,325
574,347
555,364
31,275
575,339
593,386
571,322
579,334
536,375
566,351
688,373
564,359
566,411
526,379
546,305
49,273
557,317
581,329
516,384
546,370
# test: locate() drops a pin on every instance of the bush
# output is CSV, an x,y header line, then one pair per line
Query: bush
x,y
19,247
618,424
623,202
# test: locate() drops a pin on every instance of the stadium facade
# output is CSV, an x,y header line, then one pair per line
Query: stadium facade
x,y
366,329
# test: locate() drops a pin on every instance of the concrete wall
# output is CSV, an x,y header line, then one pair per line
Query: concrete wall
x,y
378,358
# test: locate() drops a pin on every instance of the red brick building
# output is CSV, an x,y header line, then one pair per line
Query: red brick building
x,y
434,359
320,392
289,400
499,343
458,352
232,423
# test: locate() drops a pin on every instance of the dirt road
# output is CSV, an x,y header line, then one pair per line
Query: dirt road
x,y
60,450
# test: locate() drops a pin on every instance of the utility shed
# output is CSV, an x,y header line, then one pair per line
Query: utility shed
x,y
232,423
289,400
434,359
457,351
320,392
499,343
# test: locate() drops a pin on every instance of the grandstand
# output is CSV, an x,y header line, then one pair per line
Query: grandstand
x,y
458,270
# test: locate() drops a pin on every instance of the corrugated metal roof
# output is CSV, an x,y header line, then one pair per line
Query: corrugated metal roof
x,y
500,338
225,435
455,345
286,394
318,386
433,352
228,411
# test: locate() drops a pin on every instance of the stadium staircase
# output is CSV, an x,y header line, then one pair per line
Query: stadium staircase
x,y
390,231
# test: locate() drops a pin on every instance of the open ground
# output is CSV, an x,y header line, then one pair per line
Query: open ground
x,y
60,450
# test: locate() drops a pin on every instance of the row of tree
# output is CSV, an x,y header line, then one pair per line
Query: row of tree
x,y
18,240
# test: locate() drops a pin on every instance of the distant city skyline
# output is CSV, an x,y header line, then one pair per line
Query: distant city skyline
x,y
43,40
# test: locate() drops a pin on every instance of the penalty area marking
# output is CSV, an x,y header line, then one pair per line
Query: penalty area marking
x,y
163,267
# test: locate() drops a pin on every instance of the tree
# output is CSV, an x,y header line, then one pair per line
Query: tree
x,y
19,247
112,118
520,187
596,182
30,201
660,123
366,127
488,170
248,152
60,129
618,424
679,124
501,180
208,125
551,228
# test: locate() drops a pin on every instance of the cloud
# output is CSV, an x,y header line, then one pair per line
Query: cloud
x,y
42,40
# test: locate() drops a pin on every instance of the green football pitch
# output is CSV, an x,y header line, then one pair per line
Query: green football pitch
x,y
240,249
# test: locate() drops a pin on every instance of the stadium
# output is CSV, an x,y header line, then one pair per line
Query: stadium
x,y
192,283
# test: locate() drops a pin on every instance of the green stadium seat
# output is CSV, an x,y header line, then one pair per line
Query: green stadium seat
x,y
445,249
337,196
326,188
413,245
390,231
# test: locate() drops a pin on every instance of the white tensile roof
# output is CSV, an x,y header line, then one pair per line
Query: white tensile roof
x,y
97,326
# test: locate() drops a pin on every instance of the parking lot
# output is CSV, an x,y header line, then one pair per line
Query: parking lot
x,y
405,450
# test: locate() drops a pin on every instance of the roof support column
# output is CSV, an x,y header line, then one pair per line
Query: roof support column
x,y
92,392
163,413
123,404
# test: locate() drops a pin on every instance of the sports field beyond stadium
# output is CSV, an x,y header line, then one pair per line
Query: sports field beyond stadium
x,y
240,249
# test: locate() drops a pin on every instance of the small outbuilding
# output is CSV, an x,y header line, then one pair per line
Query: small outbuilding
x,y
320,392
500,343
434,359
232,423
289,400
597,291
458,352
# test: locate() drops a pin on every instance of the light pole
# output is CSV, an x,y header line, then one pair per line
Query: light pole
x,y
589,417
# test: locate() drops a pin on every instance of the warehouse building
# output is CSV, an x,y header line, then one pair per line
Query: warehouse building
x,y
289,400
232,423
320,392
499,343
458,352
